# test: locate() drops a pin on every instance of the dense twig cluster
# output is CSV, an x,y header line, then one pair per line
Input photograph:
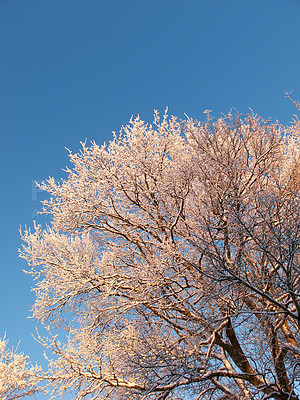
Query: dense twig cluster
x,y
17,378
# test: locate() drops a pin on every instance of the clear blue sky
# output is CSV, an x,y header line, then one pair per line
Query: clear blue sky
x,y
74,70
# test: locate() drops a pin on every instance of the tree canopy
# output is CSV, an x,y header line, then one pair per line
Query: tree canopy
x,y
172,260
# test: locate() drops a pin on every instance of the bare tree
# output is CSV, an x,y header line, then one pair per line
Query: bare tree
x,y
17,378
173,262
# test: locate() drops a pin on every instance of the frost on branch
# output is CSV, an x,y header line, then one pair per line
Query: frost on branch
x,y
17,378
173,261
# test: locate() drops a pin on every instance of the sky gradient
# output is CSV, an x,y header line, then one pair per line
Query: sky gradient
x,y
74,70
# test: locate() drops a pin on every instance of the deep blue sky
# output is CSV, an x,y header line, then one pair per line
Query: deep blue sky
x,y
74,70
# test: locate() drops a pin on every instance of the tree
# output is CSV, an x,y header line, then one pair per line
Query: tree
x,y
173,262
18,379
